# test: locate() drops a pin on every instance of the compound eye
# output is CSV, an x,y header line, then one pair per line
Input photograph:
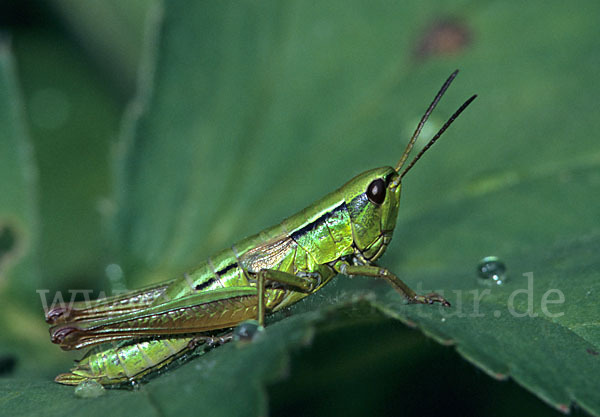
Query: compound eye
x,y
376,191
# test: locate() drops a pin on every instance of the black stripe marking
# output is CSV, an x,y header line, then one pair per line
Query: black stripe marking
x,y
205,284
310,226
227,268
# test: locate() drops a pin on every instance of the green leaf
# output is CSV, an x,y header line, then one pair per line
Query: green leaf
x,y
17,200
22,331
281,106
248,111
72,121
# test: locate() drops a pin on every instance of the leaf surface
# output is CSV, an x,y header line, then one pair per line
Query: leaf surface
x,y
248,112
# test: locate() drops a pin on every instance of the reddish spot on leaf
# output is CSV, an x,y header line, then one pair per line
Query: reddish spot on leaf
x,y
443,37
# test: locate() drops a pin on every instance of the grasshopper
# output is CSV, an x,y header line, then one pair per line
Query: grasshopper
x,y
345,232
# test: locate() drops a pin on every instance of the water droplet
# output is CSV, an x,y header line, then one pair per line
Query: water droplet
x,y
89,389
246,331
491,270
135,385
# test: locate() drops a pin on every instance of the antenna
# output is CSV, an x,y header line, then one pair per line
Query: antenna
x,y
438,134
415,135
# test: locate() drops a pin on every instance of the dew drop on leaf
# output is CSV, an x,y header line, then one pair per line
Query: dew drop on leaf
x,y
491,270
89,389
246,331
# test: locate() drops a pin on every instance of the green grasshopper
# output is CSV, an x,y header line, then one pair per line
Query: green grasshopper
x,y
345,232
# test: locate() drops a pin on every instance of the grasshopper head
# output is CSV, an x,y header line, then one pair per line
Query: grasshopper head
x,y
373,209
373,197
